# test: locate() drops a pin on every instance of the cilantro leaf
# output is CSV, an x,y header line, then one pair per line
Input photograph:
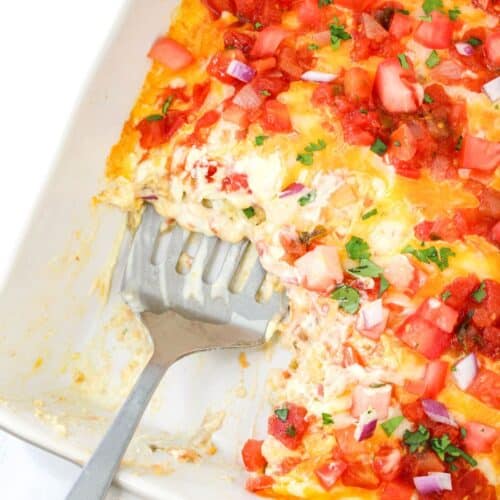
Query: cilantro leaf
x,y
357,248
305,158
403,61
369,214
282,414
313,46
249,212
167,104
384,285
389,426
475,42
324,3
307,198
327,418
347,297
338,34
154,118
259,140
431,255
430,5
367,269
428,99
291,431
318,146
379,147
433,60
480,294
454,13
416,440
445,295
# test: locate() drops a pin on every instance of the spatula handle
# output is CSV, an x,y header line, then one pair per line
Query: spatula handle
x,y
97,475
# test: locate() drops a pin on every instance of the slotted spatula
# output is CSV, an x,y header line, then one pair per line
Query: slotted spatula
x,y
202,278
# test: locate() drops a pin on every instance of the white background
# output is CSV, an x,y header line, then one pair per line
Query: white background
x,y
47,50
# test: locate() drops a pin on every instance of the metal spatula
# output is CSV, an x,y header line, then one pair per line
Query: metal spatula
x,y
201,278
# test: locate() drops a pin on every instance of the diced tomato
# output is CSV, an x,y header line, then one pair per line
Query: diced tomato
x,y
259,483
480,154
237,40
487,313
350,448
361,475
495,233
401,25
220,62
234,182
424,337
387,463
397,87
276,117
236,114
403,143
397,490
289,64
486,388
439,314
420,464
291,430
252,456
154,133
459,290
320,269
357,85
309,14
288,464
170,53
200,93
329,472
360,128
435,378
264,64
492,49
479,437
268,40
350,356
472,485
372,29
376,398
217,7
270,84
208,119
435,34
491,342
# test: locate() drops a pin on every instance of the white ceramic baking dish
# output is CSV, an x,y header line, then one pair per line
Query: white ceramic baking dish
x,y
69,357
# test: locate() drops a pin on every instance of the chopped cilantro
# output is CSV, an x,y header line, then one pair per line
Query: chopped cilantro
x,y
389,426
463,432
357,248
427,98
258,25
265,93
454,13
378,147
154,118
367,269
318,146
445,295
416,440
363,111
475,42
447,452
313,46
291,431
249,212
430,5
458,145
327,418
438,256
259,140
324,3
282,414
305,158
347,297
403,61
427,18
167,104
397,144
369,214
403,11
480,294
338,34
307,198
384,285
433,60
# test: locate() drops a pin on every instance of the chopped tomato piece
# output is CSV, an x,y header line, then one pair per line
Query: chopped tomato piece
x,y
420,464
486,388
237,40
495,233
350,356
309,14
234,182
487,313
480,154
350,448
357,85
269,85
401,25
397,490
320,269
492,49
403,143
424,337
372,29
220,62
170,53
439,314
263,65
397,87
154,133
459,290
259,483
360,474
276,117
252,456
472,485
376,398
200,93
236,114
387,463
328,473
289,64
435,34
289,430
435,378
479,437
268,40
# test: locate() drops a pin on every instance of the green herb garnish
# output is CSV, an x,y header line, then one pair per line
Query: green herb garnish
x,y
389,426
316,146
249,212
454,13
167,104
313,46
430,5
307,198
324,3
369,214
416,440
305,158
327,418
438,256
291,431
338,34
357,248
259,140
445,295
433,60
378,147
282,414
366,269
428,99
154,118
403,61
475,42
458,145
347,297
384,285
480,294
265,93
258,25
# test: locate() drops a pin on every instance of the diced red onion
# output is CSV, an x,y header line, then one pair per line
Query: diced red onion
x,y
292,189
465,371
247,98
240,71
492,89
366,425
318,76
371,314
149,197
434,482
464,49
438,412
